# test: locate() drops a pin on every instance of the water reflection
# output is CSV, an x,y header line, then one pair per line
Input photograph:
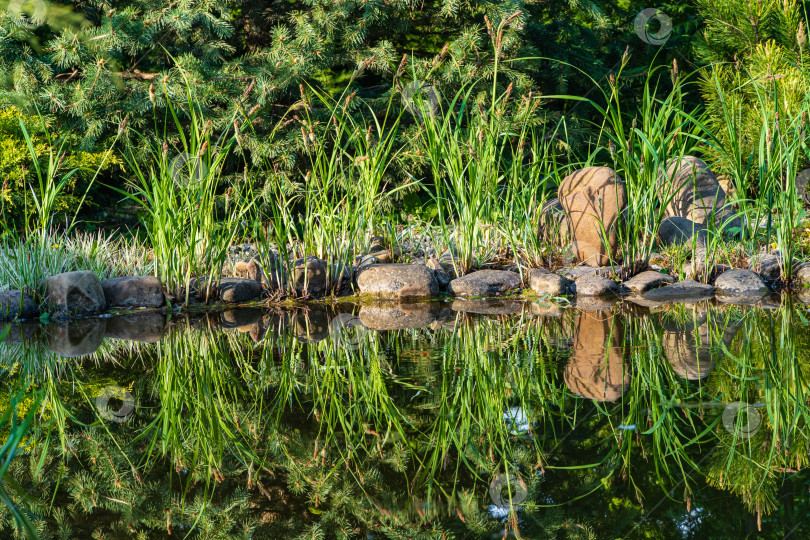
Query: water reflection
x,y
399,418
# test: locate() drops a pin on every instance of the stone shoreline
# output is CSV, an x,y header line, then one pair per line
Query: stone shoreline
x,y
80,294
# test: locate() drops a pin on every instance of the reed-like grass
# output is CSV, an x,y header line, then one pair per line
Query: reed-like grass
x,y
182,193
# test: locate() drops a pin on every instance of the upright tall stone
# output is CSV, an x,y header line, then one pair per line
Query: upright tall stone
x,y
594,200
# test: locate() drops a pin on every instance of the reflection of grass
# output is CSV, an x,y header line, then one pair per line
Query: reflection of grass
x,y
411,426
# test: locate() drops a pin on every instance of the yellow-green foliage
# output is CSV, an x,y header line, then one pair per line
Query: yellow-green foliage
x,y
18,175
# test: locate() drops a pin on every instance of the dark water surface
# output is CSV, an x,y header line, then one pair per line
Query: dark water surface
x,y
604,420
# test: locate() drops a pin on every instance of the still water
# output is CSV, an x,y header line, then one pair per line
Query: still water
x,y
463,419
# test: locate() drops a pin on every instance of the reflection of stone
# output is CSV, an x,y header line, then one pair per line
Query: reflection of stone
x,y
596,303
312,324
21,333
392,316
240,317
147,327
488,306
596,368
688,349
79,338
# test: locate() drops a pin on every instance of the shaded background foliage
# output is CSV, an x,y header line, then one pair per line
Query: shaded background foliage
x,y
90,66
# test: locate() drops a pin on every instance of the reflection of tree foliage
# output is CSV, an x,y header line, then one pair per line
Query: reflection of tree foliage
x,y
402,436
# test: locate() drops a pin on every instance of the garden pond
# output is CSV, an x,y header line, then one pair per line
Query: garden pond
x,y
445,419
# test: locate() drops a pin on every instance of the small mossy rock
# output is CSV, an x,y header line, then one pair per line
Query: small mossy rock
x,y
396,316
553,227
596,286
397,281
694,190
235,290
740,283
79,338
545,283
133,291
596,368
311,276
647,281
484,283
75,293
145,327
594,199
16,305
678,230
684,291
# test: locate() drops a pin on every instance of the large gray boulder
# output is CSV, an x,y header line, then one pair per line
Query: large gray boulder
x,y
16,305
74,293
133,291
693,192
485,283
398,281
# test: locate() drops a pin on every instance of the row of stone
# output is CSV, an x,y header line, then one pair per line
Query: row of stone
x,y
82,294
402,282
